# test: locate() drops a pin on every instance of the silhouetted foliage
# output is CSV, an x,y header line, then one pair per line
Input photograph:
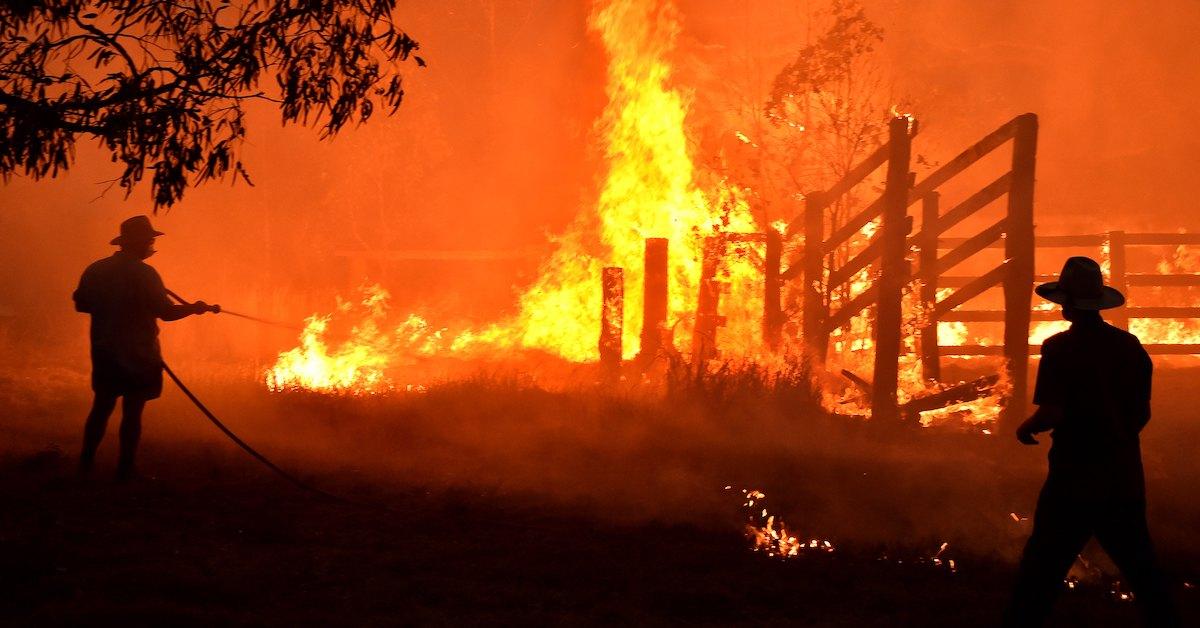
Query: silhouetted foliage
x,y
162,83
829,61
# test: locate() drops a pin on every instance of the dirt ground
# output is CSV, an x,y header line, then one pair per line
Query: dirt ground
x,y
496,502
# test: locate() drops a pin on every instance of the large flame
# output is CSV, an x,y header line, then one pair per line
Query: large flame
x,y
650,191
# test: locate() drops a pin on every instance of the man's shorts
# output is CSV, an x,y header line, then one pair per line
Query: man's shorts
x,y
118,378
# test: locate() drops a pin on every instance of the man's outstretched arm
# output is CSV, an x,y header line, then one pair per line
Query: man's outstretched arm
x,y
166,309
174,312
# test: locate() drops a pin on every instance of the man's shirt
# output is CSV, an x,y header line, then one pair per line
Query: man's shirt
x,y
125,297
1100,376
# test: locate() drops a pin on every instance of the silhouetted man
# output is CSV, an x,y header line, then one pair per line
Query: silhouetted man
x,y
125,297
1093,391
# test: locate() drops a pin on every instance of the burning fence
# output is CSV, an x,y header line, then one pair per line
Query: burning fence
x,y
868,295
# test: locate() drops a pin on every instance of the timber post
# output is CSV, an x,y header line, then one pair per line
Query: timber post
x,y
1116,275
612,320
931,363
813,326
654,298
1019,255
704,336
772,285
893,275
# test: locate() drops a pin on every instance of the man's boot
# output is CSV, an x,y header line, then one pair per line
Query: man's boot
x,y
131,433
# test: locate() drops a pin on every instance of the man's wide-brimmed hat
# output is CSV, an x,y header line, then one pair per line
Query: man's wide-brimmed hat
x,y
1081,285
136,229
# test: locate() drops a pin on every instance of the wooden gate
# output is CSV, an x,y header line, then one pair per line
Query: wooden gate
x,y
889,248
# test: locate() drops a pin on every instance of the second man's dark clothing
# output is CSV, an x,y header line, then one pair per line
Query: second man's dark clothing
x,y
1100,377
1063,524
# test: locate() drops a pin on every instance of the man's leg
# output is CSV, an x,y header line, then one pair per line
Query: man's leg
x,y
131,432
1060,531
1123,533
93,429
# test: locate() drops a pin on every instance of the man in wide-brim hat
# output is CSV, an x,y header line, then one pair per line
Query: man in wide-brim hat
x,y
125,297
1093,391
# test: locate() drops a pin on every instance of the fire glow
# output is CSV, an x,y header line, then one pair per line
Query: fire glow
x,y
770,535
652,188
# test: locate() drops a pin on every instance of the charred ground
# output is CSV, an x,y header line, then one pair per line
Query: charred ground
x,y
494,500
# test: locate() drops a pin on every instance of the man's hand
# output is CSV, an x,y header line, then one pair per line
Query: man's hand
x,y
1044,419
1025,433
200,307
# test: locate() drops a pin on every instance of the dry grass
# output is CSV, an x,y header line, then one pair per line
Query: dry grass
x,y
508,500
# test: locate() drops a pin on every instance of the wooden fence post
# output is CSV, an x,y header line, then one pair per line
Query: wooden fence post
x,y
1019,256
612,320
704,337
893,275
654,298
813,326
1116,275
772,304
931,361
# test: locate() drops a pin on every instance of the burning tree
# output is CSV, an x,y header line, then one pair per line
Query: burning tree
x,y
824,111
830,107
162,85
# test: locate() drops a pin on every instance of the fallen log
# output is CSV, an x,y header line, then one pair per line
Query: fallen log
x,y
863,385
961,393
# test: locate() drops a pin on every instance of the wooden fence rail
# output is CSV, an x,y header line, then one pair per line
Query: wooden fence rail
x,y
1118,244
